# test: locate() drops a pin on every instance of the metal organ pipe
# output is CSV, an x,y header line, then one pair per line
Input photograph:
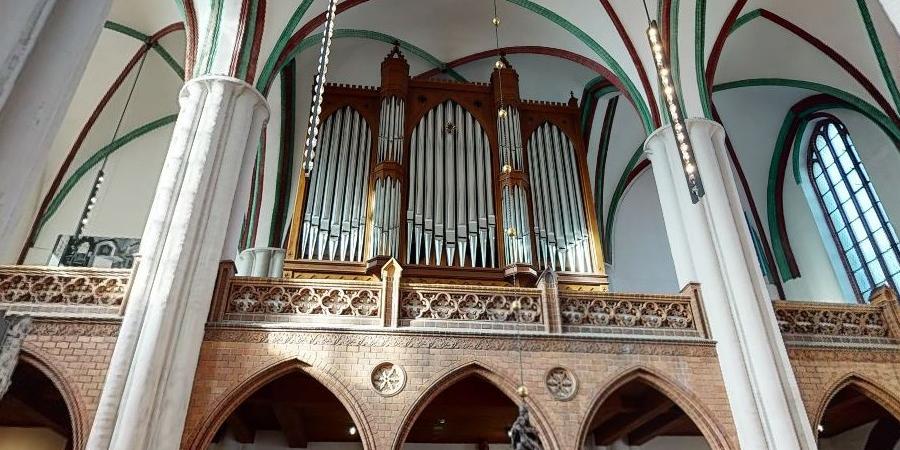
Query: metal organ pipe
x,y
559,220
517,240
450,217
386,218
335,211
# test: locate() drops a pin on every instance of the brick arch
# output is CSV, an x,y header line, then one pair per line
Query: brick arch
x,y
459,372
216,414
80,422
687,401
871,389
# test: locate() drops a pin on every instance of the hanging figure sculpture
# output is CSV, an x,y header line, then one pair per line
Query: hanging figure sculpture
x,y
523,435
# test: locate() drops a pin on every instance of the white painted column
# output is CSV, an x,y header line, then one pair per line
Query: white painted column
x,y
711,245
45,46
145,398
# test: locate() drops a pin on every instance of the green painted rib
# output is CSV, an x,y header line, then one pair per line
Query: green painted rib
x,y
95,159
156,46
847,100
879,52
700,57
616,198
863,106
269,68
603,152
208,54
742,20
610,62
247,48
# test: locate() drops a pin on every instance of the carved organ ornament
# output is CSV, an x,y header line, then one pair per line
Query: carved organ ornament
x,y
426,171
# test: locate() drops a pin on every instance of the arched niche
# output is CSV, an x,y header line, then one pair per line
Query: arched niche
x,y
470,406
286,405
857,414
641,409
36,412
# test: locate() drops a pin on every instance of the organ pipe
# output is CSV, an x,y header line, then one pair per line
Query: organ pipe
x,y
335,213
386,217
517,239
450,215
559,220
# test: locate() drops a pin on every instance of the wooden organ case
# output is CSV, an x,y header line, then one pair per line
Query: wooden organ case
x,y
427,172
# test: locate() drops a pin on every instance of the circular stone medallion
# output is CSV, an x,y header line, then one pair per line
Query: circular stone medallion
x,y
388,379
561,383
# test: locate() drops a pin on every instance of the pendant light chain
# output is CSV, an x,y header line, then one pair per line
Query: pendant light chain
x,y
312,133
98,180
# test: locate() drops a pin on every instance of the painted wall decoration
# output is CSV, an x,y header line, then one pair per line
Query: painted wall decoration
x,y
94,251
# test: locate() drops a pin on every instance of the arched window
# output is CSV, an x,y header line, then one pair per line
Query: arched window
x,y
864,237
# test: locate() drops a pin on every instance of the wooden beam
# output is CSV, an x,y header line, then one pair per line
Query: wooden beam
x,y
657,427
623,424
241,429
291,422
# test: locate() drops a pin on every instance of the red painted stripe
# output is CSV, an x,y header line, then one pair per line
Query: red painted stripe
x,y
720,44
645,163
304,31
191,31
257,40
242,37
821,46
838,58
632,52
539,50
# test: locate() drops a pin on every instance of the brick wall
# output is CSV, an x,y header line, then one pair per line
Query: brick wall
x,y
75,355
822,372
234,362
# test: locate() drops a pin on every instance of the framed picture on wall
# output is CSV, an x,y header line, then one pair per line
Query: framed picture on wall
x,y
94,251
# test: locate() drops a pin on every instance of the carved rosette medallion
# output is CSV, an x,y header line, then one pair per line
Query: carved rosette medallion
x,y
388,379
561,383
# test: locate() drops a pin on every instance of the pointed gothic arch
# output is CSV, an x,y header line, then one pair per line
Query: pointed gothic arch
x,y
78,427
216,415
865,386
459,373
686,401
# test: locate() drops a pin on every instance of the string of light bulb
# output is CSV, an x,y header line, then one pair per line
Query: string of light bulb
x,y
315,113
676,115
502,113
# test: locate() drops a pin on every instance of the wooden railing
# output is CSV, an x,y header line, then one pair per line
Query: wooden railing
x,y
63,291
876,322
387,301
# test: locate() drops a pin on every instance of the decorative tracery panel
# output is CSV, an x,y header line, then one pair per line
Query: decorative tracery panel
x,y
335,209
559,220
450,213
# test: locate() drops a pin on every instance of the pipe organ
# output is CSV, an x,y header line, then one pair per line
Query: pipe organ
x,y
450,213
560,225
448,186
335,211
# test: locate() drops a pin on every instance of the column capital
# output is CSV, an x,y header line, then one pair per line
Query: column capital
x,y
207,81
663,136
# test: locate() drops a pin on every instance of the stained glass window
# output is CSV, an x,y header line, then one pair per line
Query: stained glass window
x,y
862,232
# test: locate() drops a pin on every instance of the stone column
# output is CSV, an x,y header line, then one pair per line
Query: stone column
x,y
45,46
711,245
12,334
205,177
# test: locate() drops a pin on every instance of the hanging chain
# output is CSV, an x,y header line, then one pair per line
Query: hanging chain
x,y
98,180
312,133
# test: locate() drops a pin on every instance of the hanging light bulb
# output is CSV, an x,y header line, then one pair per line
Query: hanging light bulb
x,y
501,112
496,21
689,166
